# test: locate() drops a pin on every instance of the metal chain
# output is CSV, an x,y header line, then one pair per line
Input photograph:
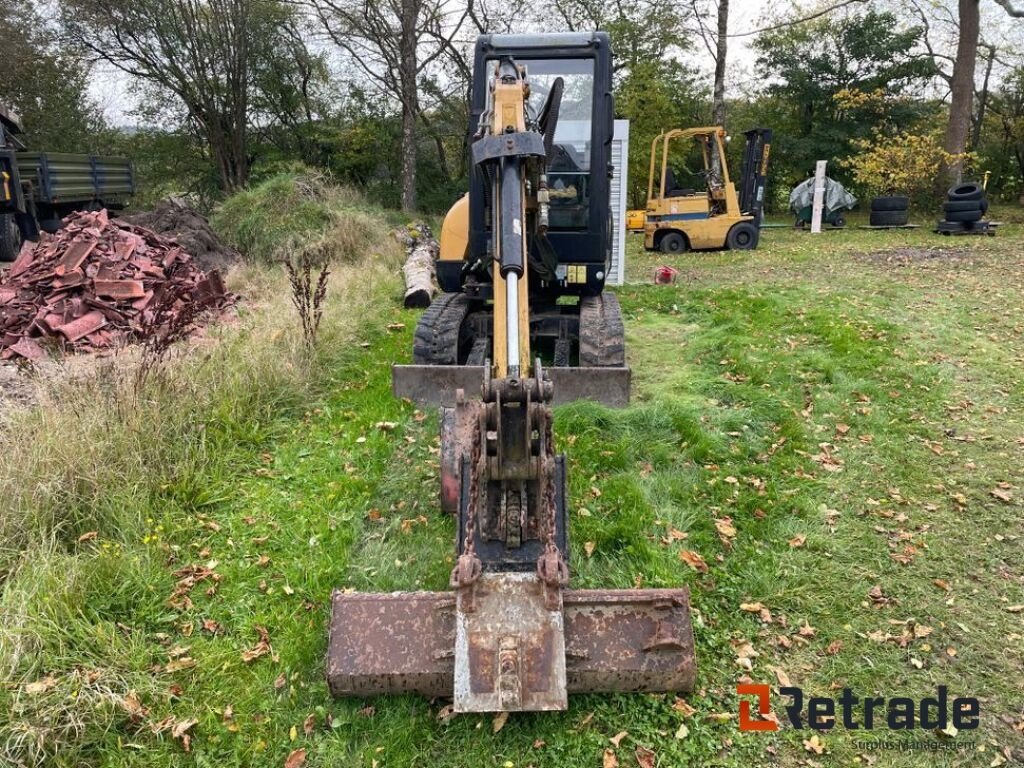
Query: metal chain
x,y
476,469
549,486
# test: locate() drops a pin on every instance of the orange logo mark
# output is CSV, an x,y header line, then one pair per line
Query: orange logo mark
x,y
746,722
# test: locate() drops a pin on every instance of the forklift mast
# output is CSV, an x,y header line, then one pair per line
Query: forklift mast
x,y
754,178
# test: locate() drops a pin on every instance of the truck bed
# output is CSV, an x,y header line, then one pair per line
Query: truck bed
x,y
60,178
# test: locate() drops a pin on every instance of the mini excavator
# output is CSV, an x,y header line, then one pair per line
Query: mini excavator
x,y
523,323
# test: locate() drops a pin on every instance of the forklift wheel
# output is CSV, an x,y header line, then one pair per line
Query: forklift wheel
x,y
742,237
673,242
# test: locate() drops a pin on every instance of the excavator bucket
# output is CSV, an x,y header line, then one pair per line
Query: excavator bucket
x,y
624,640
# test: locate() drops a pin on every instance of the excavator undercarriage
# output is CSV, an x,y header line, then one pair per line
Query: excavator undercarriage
x,y
510,635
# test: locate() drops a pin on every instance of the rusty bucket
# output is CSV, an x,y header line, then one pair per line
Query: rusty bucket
x,y
509,652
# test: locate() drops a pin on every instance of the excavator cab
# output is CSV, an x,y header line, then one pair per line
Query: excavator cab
x,y
566,227
523,323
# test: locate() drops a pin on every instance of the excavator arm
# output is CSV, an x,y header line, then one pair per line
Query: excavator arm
x,y
510,635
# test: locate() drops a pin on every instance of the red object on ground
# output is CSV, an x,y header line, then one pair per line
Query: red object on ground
x,y
665,275
100,274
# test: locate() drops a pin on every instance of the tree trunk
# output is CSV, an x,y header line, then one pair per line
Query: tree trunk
x,y
962,95
983,101
718,110
407,77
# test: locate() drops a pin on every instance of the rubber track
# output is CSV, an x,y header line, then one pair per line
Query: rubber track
x,y
439,331
602,335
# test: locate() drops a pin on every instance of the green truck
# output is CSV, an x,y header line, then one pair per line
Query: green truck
x,y
41,188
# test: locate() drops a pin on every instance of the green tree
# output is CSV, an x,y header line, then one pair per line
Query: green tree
x,y
45,84
864,52
655,96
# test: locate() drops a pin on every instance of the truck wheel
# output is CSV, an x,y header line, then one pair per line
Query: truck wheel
x,y
742,237
10,238
673,242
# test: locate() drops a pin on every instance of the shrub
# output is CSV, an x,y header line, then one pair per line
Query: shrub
x,y
901,164
267,221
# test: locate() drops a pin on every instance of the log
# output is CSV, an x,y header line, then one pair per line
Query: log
x,y
418,270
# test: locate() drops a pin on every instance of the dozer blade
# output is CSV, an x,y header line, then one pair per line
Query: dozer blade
x,y
437,384
615,640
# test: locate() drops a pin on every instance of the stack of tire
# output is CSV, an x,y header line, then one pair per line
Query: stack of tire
x,y
965,204
890,211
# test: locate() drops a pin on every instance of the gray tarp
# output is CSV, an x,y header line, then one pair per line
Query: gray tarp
x,y
836,196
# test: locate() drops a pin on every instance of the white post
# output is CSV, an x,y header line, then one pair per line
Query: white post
x,y
819,196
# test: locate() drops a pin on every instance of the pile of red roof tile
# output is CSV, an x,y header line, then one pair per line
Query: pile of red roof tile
x,y
99,283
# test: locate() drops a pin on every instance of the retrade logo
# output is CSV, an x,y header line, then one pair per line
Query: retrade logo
x,y
823,713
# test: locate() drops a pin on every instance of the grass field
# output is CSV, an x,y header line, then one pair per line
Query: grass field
x,y
833,423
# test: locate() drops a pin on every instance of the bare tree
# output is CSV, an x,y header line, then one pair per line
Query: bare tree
x,y
717,43
393,43
197,50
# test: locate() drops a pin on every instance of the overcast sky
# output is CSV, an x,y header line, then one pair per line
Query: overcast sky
x,y
116,94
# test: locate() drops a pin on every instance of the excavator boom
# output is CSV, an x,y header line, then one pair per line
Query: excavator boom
x,y
510,635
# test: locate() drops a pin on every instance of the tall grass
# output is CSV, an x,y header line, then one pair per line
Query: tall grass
x,y
110,461
292,211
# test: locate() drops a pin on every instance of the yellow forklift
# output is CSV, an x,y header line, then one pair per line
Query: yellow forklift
x,y
712,213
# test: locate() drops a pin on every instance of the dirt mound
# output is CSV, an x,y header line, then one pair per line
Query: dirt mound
x,y
190,229
99,283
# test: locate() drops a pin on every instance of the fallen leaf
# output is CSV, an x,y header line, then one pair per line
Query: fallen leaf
x,y
176,665
279,682
783,678
211,626
693,560
1015,608
674,534
588,547
446,713
609,760
680,705
834,647
181,729
1002,495
682,731
942,584
37,687
920,630
296,759
918,664
229,714
293,733
725,528
806,630
262,648
645,757
814,744
798,540
499,721
133,705
618,737
88,536
309,723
